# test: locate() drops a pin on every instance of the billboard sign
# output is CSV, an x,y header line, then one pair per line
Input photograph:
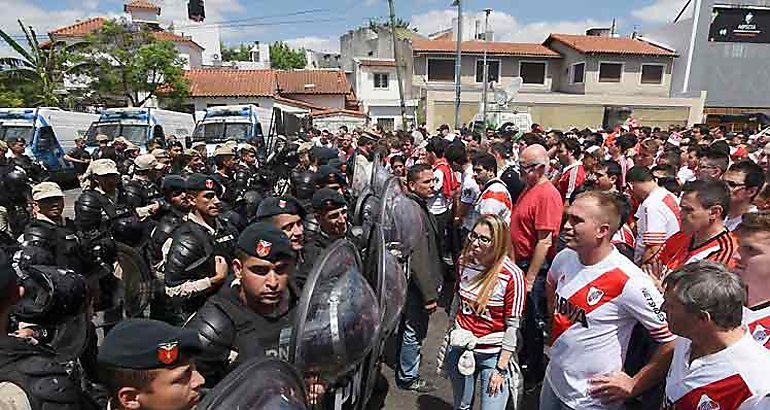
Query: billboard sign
x,y
739,25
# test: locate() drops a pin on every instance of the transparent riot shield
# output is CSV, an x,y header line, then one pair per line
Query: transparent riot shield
x,y
338,317
401,219
258,384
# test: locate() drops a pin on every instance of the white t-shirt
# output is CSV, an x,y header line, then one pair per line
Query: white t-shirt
x,y
685,175
657,220
496,200
731,379
758,323
733,223
438,203
595,309
469,193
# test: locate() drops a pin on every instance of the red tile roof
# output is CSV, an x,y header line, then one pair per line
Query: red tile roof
x,y
609,45
223,82
337,111
141,5
81,28
477,47
378,63
313,82
175,38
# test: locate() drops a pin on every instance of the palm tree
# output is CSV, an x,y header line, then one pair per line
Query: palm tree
x,y
45,68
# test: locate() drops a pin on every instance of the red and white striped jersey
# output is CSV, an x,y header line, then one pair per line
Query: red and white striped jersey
x,y
595,310
572,177
495,199
731,379
624,235
758,322
657,220
507,301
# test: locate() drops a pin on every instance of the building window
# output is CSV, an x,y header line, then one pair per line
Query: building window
x,y
387,124
532,73
493,71
578,73
652,74
381,80
610,72
441,69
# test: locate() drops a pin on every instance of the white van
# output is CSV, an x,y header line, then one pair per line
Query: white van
x,y
140,125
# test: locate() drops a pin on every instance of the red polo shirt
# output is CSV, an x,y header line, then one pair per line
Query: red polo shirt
x,y
539,208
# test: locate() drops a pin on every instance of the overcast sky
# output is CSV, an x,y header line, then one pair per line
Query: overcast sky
x,y
319,24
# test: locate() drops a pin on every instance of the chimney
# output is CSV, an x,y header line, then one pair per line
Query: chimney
x,y
599,32
477,32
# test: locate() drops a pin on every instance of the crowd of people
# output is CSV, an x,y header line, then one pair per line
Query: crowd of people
x,y
600,269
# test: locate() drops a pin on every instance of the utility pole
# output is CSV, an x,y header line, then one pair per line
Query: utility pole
x,y
486,70
398,63
458,61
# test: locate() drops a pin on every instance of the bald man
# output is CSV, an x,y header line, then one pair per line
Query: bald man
x,y
535,224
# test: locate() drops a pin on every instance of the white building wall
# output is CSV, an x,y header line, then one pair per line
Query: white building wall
x,y
201,103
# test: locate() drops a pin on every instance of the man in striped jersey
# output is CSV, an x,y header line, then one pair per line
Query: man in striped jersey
x,y
752,262
703,236
657,218
494,198
572,175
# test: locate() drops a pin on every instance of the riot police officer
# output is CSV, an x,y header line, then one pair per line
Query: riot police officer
x,y
126,166
34,170
196,264
194,163
32,376
147,364
140,193
14,205
49,238
245,171
329,176
169,217
254,315
224,158
331,214
286,214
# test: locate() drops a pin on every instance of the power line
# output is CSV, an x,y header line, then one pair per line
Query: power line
x,y
228,22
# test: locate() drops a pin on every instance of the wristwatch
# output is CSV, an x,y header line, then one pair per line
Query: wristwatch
x,y
502,370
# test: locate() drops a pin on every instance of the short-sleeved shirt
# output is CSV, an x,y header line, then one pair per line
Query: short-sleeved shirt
x,y
733,223
758,322
469,194
539,208
82,154
572,177
734,378
679,250
595,310
657,220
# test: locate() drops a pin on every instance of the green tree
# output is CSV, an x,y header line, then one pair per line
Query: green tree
x,y
239,53
129,63
10,98
283,57
42,68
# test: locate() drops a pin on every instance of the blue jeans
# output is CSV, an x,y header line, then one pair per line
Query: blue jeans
x,y
463,386
414,328
549,400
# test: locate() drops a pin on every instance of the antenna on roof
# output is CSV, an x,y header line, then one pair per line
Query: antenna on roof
x,y
612,28
681,12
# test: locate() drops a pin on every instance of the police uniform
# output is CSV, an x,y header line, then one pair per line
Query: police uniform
x,y
139,193
48,242
190,259
230,330
317,240
225,179
31,375
14,213
146,344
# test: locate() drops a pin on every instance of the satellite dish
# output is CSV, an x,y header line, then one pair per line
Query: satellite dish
x,y
513,89
501,97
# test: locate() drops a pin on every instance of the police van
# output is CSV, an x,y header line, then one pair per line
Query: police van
x,y
49,132
239,123
140,125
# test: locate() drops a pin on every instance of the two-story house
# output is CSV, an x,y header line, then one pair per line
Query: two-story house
x,y
376,85
568,80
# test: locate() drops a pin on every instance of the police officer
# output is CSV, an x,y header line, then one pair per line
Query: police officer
x,y
224,160
286,214
176,153
331,214
196,264
148,364
329,176
194,163
14,205
31,375
140,193
126,166
49,238
254,315
169,217
103,151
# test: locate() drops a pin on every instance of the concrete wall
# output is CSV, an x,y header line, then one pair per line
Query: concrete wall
x,y
509,69
561,110
364,84
191,53
365,43
327,101
734,74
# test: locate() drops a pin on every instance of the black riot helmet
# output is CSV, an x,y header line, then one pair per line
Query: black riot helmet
x,y
302,184
16,185
258,384
51,294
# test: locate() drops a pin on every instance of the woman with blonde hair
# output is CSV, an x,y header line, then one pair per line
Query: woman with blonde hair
x,y
490,297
